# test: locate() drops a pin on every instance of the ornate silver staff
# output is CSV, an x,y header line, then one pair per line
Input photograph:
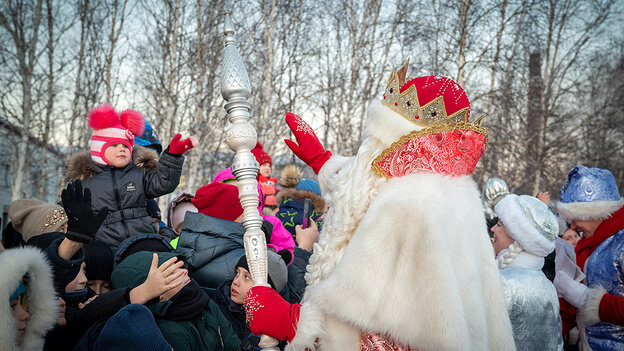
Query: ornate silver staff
x,y
241,138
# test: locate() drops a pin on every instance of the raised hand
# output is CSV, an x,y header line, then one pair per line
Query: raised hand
x,y
159,280
308,147
82,222
307,237
178,147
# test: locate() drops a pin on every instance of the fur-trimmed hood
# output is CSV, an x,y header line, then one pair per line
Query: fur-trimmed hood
x,y
42,302
80,166
290,176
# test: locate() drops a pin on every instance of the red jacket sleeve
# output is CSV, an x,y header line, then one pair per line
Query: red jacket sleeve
x,y
568,316
611,309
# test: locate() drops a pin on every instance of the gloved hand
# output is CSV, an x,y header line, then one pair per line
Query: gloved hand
x,y
178,147
82,223
268,313
572,291
309,148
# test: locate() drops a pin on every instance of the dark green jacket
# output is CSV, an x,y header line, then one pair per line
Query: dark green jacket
x,y
212,331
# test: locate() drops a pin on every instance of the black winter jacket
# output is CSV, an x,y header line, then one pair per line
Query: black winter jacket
x,y
212,246
125,190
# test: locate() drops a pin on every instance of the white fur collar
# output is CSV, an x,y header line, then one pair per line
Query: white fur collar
x,y
524,260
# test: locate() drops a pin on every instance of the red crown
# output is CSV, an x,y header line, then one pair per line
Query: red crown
x,y
448,143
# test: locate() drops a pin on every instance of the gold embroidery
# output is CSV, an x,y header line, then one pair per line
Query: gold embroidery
x,y
55,216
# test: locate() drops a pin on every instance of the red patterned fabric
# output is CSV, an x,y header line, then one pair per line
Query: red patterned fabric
x,y
453,152
310,150
430,87
375,342
268,313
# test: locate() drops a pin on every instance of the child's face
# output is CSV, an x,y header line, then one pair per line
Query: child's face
x,y
21,318
118,155
240,285
265,169
571,236
80,282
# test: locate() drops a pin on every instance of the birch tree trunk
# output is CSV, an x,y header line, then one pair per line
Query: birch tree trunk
x,y
26,55
49,104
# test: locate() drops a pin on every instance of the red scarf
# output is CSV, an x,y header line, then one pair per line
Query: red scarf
x,y
586,246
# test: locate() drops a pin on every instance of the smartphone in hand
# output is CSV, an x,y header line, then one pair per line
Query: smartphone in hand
x,y
306,213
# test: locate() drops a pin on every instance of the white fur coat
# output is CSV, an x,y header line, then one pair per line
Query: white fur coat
x,y
42,302
419,269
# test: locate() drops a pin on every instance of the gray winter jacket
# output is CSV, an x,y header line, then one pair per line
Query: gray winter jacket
x,y
125,190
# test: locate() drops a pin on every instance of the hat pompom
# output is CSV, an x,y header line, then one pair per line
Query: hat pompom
x,y
133,121
290,176
102,117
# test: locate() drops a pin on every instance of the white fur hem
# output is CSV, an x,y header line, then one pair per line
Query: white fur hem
x,y
589,312
586,211
309,328
521,228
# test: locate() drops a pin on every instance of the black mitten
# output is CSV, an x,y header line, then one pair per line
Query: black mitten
x,y
82,223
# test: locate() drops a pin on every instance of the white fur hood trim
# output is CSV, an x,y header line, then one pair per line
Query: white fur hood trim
x,y
587,211
43,305
419,269
521,228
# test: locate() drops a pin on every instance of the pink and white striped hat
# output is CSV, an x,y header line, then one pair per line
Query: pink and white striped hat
x,y
110,128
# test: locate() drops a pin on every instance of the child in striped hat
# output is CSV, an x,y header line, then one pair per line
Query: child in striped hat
x,y
122,176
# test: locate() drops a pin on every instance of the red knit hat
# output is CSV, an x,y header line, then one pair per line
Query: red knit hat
x,y
110,127
218,200
261,156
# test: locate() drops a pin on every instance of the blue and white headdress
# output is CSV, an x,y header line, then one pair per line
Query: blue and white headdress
x,y
589,194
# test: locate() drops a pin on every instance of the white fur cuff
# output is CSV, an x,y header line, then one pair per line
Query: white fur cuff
x,y
589,312
309,328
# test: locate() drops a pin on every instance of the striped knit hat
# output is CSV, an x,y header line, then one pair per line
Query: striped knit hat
x,y
110,128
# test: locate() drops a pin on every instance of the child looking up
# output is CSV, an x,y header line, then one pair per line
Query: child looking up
x,y
119,184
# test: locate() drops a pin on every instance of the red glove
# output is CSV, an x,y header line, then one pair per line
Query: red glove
x,y
178,147
309,149
268,313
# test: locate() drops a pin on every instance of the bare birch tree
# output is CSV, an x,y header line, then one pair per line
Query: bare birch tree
x,y
22,20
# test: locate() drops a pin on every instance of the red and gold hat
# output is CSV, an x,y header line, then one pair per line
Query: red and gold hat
x,y
441,138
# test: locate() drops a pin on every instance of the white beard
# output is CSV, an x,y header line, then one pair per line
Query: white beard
x,y
348,185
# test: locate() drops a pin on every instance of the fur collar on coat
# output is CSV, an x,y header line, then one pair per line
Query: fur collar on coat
x,y
419,269
42,302
82,167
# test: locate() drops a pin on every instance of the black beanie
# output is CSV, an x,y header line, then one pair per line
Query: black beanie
x,y
276,264
99,260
